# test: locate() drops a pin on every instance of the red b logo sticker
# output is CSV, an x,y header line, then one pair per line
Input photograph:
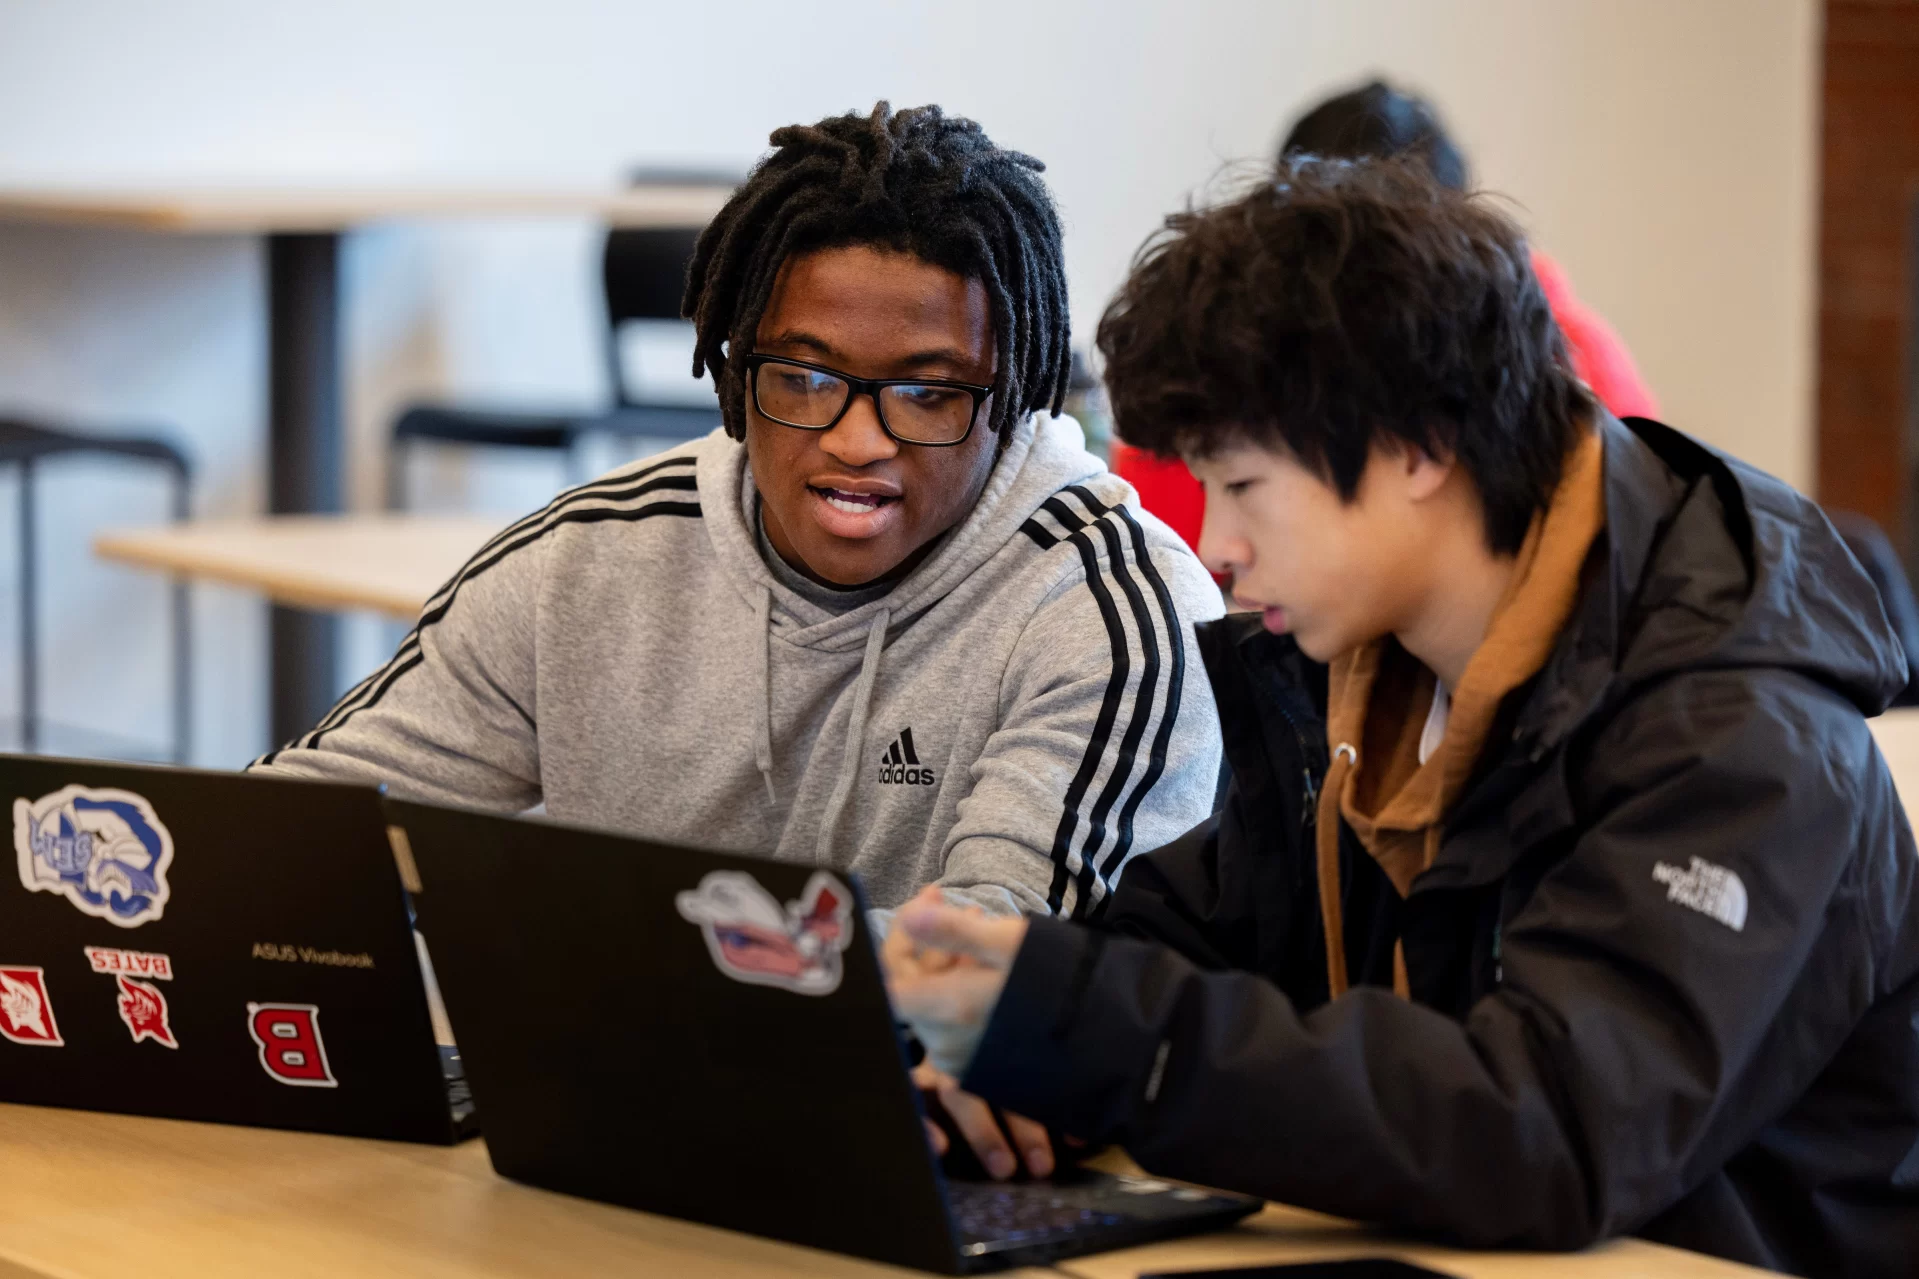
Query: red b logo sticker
x,y
290,1047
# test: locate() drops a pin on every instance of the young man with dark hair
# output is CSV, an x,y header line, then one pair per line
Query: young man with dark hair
x,y
892,620
1561,891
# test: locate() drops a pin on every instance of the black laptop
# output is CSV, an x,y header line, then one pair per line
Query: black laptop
x,y
214,946
707,1036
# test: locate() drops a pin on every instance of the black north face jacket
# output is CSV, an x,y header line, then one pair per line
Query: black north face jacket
x,y
1665,968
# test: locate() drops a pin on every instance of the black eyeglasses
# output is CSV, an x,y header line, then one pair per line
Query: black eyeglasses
x,y
813,397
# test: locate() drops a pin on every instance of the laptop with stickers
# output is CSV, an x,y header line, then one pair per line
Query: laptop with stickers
x,y
214,946
707,1036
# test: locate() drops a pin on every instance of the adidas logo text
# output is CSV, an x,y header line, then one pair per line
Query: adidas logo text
x,y
900,764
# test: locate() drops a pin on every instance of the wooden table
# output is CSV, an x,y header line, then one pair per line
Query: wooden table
x,y
390,564
107,1195
1281,1235
90,1195
302,228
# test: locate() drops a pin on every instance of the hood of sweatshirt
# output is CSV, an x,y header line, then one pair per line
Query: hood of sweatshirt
x,y
1044,455
1713,565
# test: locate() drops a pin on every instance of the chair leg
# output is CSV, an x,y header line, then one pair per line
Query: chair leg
x,y
29,619
182,674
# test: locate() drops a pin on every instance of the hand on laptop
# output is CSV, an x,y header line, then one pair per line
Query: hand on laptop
x,y
945,969
1001,1150
945,966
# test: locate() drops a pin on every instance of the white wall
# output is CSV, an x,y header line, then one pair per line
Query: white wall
x,y
1661,149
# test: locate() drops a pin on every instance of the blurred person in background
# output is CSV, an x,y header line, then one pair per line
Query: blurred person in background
x,y
1379,121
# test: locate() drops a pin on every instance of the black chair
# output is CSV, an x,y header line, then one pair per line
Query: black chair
x,y
26,445
643,271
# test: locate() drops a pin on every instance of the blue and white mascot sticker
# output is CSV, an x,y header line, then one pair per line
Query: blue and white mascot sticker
x,y
104,850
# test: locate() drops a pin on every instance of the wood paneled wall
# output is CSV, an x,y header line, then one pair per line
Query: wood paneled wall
x,y
1869,211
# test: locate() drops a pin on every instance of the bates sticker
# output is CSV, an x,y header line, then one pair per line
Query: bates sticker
x,y
131,963
103,850
144,1009
290,1046
26,1014
754,939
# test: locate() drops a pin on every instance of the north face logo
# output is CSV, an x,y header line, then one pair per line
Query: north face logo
x,y
900,764
1711,890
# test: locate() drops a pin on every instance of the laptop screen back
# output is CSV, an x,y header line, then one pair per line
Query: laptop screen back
x,y
695,1034
211,946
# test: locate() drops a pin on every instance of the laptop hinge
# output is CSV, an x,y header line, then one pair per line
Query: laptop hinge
x,y
403,858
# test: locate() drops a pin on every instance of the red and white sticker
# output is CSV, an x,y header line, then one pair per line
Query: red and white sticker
x,y
291,1050
130,963
144,1009
26,1013
753,938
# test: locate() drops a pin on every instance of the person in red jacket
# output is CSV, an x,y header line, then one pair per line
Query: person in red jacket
x,y
1378,120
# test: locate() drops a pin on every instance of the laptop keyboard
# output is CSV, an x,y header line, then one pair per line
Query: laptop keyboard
x,y
987,1212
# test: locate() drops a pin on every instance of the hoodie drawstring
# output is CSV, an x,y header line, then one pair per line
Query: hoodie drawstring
x,y
1326,845
763,747
855,735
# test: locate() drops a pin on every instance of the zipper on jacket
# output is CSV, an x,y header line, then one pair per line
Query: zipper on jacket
x,y
1310,796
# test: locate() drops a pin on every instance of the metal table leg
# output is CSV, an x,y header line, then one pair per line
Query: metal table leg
x,y
29,615
305,453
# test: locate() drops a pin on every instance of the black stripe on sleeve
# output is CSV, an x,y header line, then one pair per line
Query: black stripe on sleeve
x,y
569,508
1142,715
1041,538
1175,683
524,532
1102,726
615,488
608,489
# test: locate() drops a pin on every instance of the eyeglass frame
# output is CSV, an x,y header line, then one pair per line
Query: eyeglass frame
x,y
869,387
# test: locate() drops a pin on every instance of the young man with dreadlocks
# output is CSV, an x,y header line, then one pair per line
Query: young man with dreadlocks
x,y
893,620
1561,892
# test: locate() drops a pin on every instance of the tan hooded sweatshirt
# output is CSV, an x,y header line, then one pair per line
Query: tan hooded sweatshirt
x,y
1379,698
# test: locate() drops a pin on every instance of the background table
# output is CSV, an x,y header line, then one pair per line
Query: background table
x,y
302,229
390,564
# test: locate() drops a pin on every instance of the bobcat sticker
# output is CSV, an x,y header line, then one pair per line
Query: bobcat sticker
x,y
106,851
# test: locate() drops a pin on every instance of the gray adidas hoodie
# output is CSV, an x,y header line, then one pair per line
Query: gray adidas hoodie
x,y
1013,720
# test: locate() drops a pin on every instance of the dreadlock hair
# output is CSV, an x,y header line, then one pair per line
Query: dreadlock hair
x,y
912,181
